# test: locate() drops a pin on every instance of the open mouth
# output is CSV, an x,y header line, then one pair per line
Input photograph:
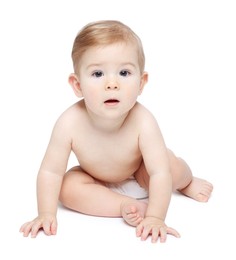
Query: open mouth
x,y
111,101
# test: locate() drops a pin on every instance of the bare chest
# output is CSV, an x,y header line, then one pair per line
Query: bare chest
x,y
108,158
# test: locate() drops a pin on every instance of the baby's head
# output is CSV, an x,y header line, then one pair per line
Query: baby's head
x,y
102,33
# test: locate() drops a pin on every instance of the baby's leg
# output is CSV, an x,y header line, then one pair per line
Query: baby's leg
x,y
84,194
183,180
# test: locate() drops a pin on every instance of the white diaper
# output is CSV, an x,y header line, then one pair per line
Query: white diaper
x,y
129,187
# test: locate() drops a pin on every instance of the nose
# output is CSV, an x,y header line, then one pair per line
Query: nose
x,y
112,85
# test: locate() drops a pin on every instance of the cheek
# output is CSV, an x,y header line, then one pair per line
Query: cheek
x,y
131,96
134,89
88,87
91,96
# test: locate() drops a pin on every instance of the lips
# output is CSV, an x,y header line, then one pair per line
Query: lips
x,y
111,101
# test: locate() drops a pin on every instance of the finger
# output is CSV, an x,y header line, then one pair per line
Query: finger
x,y
139,230
50,228
172,232
22,228
47,227
54,228
26,228
145,233
163,234
155,234
35,228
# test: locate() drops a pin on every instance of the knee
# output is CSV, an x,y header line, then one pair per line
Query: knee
x,y
73,183
180,171
65,188
69,180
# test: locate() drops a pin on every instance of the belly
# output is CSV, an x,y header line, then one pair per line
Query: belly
x,y
110,171
112,161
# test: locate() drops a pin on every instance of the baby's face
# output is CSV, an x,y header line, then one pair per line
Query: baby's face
x,y
110,79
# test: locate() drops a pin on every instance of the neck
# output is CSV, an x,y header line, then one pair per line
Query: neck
x,y
107,125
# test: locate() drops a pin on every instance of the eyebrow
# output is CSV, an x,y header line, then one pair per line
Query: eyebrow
x,y
129,64
93,65
122,64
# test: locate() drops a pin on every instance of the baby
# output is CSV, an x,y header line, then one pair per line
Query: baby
x,y
116,141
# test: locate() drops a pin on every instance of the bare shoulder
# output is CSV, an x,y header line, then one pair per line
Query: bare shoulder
x,y
146,123
142,115
71,114
69,120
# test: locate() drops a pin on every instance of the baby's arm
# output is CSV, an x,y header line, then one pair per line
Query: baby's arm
x,y
156,161
49,181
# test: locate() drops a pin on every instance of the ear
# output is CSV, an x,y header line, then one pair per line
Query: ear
x,y
75,84
143,81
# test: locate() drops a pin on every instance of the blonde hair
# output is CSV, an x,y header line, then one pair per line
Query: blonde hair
x,y
102,33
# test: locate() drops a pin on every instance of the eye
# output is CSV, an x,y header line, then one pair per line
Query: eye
x,y
125,73
97,74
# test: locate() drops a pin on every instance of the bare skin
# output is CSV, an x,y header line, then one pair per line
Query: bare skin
x,y
131,210
112,135
183,181
198,189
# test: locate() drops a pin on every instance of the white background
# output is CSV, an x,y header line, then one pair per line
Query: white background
x,y
191,59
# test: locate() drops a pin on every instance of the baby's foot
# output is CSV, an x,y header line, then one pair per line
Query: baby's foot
x,y
133,212
198,189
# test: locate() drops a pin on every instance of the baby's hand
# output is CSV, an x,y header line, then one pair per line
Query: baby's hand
x,y
156,228
47,222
